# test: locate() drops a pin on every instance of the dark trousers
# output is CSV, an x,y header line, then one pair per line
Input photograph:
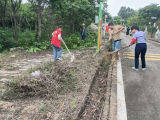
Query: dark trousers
x,y
141,48
83,36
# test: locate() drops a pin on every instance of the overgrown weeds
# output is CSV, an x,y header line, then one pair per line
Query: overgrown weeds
x,y
54,80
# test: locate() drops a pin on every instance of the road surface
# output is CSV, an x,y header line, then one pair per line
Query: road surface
x,y
142,88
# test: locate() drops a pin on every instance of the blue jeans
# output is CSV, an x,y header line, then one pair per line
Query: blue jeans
x,y
140,48
116,45
57,52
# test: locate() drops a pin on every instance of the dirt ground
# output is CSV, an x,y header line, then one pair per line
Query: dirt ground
x,y
64,104
65,90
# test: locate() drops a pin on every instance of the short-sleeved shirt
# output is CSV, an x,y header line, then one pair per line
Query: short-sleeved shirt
x,y
140,37
116,36
84,30
56,38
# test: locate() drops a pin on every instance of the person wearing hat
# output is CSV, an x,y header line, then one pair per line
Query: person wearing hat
x,y
56,43
115,35
139,38
83,33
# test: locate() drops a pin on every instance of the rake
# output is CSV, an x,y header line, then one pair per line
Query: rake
x,y
72,55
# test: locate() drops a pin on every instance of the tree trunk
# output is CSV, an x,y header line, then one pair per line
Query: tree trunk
x,y
4,13
15,29
39,14
15,5
39,26
28,24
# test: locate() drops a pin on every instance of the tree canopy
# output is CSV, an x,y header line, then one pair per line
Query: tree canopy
x,y
29,24
126,12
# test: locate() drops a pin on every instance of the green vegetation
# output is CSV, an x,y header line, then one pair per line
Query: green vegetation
x,y
1,66
73,103
146,16
10,67
43,107
30,25
126,12
6,39
14,83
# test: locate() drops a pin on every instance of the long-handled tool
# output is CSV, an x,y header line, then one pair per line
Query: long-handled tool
x,y
109,53
72,55
115,53
122,48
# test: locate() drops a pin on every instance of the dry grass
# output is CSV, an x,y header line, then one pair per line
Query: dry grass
x,y
54,79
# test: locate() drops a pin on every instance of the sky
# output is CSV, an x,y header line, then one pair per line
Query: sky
x,y
24,1
115,5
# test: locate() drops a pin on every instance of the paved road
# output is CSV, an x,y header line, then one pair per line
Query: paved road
x,y
142,88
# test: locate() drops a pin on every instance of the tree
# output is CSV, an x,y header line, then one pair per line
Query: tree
x,y
71,14
38,6
33,22
133,20
27,17
150,11
144,16
117,20
126,12
15,5
3,6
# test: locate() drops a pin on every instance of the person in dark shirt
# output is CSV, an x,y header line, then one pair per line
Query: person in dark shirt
x,y
83,33
128,29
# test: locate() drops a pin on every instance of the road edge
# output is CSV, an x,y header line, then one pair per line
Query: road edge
x,y
121,103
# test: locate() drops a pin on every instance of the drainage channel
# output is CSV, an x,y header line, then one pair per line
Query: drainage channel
x,y
94,102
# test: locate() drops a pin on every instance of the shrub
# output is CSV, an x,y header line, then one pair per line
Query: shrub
x,y
152,29
27,38
74,41
6,39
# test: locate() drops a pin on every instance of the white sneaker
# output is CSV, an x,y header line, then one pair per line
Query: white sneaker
x,y
60,59
143,69
133,68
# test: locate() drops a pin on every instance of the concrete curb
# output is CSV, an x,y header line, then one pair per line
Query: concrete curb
x,y
121,104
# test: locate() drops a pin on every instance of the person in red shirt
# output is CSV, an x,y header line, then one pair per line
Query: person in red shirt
x,y
56,43
107,28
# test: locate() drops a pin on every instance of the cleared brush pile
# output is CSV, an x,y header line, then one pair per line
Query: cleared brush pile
x,y
61,88
64,90
54,79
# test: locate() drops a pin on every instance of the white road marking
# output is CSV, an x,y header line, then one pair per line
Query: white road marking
x,y
121,104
